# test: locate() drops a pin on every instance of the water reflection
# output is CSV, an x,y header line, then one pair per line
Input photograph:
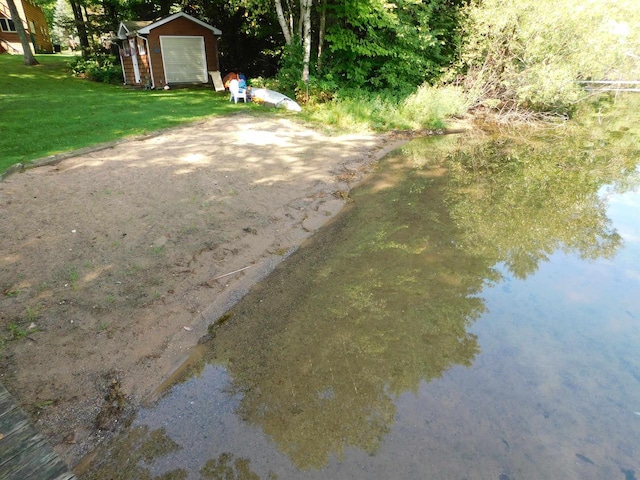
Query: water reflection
x,y
377,303
321,356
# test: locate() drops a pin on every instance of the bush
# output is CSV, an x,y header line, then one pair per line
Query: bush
x,y
317,91
290,67
550,89
429,106
518,57
98,68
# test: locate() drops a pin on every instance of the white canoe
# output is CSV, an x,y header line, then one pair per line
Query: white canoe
x,y
274,98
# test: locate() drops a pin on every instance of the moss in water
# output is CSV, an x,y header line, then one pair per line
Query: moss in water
x,y
114,408
225,467
174,475
211,330
134,448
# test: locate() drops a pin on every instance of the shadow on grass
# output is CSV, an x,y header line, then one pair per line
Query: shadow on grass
x,y
46,111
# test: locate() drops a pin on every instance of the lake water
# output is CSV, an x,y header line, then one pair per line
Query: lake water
x,y
474,313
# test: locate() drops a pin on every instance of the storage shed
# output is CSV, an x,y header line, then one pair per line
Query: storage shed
x,y
178,49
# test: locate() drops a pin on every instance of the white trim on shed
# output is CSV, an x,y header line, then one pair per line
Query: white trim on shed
x,y
184,59
147,29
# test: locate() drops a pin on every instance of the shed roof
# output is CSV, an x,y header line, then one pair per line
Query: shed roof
x,y
130,27
147,29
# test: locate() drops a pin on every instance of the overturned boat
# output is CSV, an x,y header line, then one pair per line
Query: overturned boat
x,y
273,98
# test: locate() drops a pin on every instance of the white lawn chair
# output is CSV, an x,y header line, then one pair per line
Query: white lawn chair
x,y
237,92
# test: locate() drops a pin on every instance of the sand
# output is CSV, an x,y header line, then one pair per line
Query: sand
x,y
114,261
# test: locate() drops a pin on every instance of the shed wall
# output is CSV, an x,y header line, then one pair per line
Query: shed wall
x,y
181,27
143,64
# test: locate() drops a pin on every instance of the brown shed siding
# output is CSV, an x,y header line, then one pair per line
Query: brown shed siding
x,y
143,66
149,34
180,27
145,72
129,77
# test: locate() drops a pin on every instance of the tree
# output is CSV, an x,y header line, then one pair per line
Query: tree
x,y
29,59
63,25
81,26
517,56
284,25
305,14
378,45
369,44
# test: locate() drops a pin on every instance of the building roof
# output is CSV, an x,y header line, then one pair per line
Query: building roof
x,y
133,27
148,28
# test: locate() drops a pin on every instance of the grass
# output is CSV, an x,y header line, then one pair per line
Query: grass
x,y
16,331
46,111
426,108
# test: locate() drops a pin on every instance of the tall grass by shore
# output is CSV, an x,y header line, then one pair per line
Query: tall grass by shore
x,y
426,108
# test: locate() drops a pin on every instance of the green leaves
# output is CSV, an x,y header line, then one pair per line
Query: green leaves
x,y
376,45
530,58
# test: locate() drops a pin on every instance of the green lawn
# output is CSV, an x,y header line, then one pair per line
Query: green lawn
x,y
43,110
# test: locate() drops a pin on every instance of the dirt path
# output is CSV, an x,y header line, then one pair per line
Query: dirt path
x,y
113,263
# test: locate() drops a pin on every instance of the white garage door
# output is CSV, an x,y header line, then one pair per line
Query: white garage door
x,y
184,59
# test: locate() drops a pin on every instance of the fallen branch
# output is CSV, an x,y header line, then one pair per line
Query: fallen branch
x,y
231,273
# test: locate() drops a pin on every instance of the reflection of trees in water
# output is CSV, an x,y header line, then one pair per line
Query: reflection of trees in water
x,y
381,301
376,304
130,455
127,458
520,198
227,467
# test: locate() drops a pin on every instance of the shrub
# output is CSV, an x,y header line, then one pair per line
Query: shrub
x,y
516,56
317,91
428,106
290,67
98,68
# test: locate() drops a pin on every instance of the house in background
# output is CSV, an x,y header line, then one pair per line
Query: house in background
x,y
178,49
34,24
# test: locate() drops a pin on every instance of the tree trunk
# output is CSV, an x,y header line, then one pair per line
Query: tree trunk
x,y
305,14
286,31
29,59
81,27
322,29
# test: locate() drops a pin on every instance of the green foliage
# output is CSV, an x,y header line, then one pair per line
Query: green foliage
x,y
319,90
520,198
516,54
379,45
353,110
429,106
62,24
16,331
98,67
288,77
356,110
